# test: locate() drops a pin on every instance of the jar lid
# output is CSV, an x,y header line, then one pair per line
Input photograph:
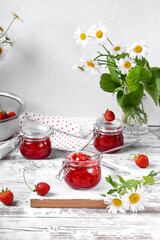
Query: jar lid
x,y
105,126
36,130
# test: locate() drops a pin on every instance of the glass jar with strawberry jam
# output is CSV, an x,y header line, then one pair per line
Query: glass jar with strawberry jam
x,y
108,135
35,141
81,170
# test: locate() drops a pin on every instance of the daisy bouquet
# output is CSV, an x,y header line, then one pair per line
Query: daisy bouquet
x,y
124,72
129,194
4,38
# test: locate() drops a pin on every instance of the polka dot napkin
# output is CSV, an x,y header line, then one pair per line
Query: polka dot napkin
x,y
69,138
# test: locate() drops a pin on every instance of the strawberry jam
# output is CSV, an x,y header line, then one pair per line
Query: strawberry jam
x,y
108,135
82,171
36,142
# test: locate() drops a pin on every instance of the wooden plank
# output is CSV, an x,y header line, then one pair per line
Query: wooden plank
x,y
67,203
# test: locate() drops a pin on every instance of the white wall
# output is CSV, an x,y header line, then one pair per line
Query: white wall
x,y
39,66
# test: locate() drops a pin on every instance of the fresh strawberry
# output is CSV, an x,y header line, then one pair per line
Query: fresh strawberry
x,y
6,197
109,115
141,160
41,188
2,116
11,114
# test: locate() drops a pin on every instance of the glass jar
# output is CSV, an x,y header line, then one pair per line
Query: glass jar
x,y
35,141
108,135
81,170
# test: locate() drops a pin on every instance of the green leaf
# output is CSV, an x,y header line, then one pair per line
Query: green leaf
x,y
111,191
113,183
133,182
112,70
120,97
142,62
131,100
153,173
153,86
121,179
103,195
125,185
136,76
107,83
148,180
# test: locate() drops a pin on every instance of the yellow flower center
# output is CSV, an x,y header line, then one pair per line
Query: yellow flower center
x,y
1,50
117,48
138,49
117,202
83,36
1,29
134,198
99,34
90,64
15,15
127,65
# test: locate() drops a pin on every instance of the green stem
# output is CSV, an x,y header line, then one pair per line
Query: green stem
x,y
8,28
26,181
109,41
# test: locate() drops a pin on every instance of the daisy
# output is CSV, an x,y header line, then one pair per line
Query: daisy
x,y
136,199
118,49
125,64
82,37
138,50
90,65
116,204
99,33
16,16
2,52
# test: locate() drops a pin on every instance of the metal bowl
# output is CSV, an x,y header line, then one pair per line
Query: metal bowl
x,y
11,103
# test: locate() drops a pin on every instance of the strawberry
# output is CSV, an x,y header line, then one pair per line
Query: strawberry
x,y
11,114
141,160
41,188
6,197
2,116
109,115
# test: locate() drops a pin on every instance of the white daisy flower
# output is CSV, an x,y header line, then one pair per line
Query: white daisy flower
x,y
82,37
138,50
118,49
125,64
90,65
116,204
2,52
16,16
99,33
136,199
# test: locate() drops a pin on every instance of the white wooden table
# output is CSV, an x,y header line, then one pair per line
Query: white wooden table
x,y
21,222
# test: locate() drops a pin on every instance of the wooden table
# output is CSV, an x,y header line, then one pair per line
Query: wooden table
x,y
20,222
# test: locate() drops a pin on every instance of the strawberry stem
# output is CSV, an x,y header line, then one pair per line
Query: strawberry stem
x,y
26,181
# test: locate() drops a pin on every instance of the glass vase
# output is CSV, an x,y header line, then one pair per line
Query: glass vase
x,y
137,122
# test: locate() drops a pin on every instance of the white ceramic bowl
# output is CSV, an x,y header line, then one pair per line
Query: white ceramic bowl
x,y
11,103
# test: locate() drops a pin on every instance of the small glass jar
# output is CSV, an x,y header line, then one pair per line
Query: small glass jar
x,y
108,135
81,170
35,142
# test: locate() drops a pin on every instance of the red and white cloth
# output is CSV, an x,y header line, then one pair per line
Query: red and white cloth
x,y
60,140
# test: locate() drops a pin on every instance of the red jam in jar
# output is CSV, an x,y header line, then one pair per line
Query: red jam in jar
x,y
108,135
36,142
82,171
